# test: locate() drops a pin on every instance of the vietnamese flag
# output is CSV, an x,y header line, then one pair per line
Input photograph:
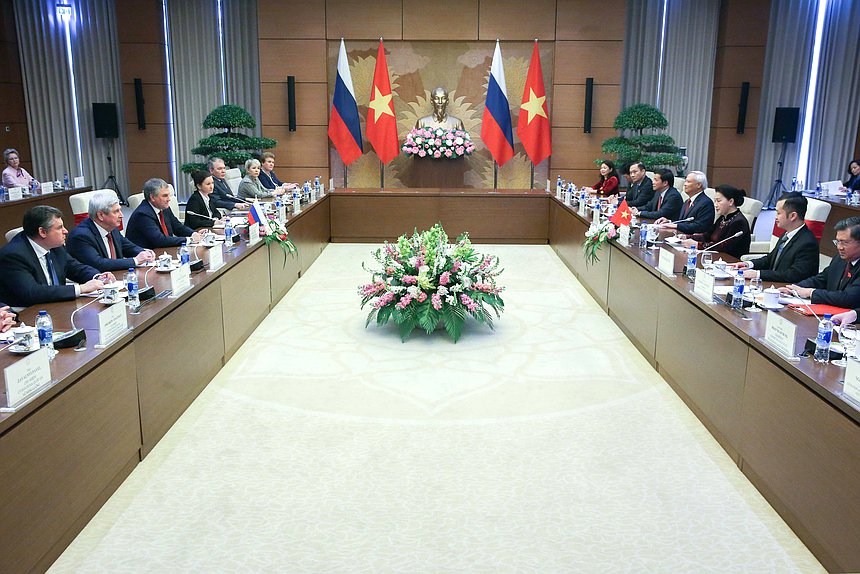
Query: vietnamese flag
x,y
533,127
622,215
381,124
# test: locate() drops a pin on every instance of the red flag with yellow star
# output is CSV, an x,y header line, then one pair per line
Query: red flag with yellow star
x,y
622,215
381,124
533,127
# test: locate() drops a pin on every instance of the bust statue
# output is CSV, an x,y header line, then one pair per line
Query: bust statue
x,y
440,117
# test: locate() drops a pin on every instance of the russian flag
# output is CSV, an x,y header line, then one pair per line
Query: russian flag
x,y
344,129
497,130
256,215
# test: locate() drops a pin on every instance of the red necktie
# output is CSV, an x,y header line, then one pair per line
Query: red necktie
x,y
686,209
163,225
111,247
659,202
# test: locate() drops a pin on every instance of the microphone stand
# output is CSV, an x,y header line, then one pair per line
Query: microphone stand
x,y
75,336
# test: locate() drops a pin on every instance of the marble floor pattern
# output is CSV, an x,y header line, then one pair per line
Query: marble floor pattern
x,y
549,445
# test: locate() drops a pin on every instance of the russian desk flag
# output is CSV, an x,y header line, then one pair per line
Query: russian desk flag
x,y
256,215
344,129
496,130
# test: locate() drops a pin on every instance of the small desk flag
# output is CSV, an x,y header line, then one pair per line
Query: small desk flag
x,y
622,215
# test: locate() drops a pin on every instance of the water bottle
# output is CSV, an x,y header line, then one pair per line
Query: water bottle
x,y
297,202
67,183
822,341
316,195
45,326
558,185
691,263
818,189
228,234
306,191
738,290
133,292
185,252
595,213
793,184
643,235
568,195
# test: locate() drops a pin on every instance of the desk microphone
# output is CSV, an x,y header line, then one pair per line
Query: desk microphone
x,y
147,292
203,216
681,220
805,304
711,248
73,337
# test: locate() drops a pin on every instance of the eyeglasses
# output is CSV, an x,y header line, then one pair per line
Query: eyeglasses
x,y
838,242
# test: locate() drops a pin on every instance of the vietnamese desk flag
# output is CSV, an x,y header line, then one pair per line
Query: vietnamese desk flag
x,y
533,126
496,129
622,215
381,123
344,128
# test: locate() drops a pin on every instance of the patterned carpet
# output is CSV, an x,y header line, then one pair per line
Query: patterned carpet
x,y
549,445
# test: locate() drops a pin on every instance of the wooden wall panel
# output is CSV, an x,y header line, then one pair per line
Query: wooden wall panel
x,y
140,171
731,149
420,20
290,19
731,175
304,59
311,104
303,173
736,64
139,22
568,105
10,73
742,22
366,20
725,107
144,61
517,20
577,60
155,104
13,109
307,146
590,20
14,130
149,145
573,149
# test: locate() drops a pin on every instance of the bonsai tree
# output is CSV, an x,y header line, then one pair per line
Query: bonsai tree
x,y
653,149
234,147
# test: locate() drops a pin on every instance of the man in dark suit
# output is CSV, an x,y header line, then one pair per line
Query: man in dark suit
x,y
839,283
221,195
153,224
666,202
641,188
700,207
97,241
35,265
795,255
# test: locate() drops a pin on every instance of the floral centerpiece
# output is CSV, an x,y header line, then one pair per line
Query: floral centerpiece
x,y
438,143
596,236
423,281
274,231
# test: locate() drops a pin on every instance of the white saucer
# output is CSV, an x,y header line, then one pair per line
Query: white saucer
x,y
172,268
18,350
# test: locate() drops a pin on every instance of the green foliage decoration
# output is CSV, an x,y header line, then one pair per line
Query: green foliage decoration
x,y
234,147
640,139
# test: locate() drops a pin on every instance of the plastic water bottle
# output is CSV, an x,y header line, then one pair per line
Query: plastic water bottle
x,y
133,291
691,263
822,341
316,195
738,290
818,189
558,185
185,252
45,327
297,202
306,191
228,234
568,195
793,184
643,235
67,183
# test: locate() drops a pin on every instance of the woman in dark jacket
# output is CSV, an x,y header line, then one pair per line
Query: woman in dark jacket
x,y
204,213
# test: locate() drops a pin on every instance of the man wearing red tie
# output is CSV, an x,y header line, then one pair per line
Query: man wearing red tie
x,y
699,206
153,224
839,283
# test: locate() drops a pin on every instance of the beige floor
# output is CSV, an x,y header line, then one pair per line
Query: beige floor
x,y
549,445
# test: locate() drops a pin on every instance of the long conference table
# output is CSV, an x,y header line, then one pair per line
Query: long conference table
x,y
785,424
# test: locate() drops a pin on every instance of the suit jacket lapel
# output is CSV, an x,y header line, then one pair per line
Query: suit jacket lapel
x,y
35,265
99,242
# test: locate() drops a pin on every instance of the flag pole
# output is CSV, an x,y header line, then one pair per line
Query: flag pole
x,y
495,175
533,175
345,176
381,175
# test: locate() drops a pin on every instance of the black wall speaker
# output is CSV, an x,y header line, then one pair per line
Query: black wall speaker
x,y
742,106
589,94
138,104
291,101
105,122
785,125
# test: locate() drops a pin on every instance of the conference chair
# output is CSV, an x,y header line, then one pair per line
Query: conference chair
x,y
12,233
80,204
751,209
233,179
174,204
135,200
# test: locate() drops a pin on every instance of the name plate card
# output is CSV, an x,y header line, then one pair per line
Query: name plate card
x,y
780,333
180,280
216,257
80,182
624,235
16,193
113,324
666,263
851,390
254,234
25,379
703,287
48,187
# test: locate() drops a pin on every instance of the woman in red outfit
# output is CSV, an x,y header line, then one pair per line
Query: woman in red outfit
x,y
608,184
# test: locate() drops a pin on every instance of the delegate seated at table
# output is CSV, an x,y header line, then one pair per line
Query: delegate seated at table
x,y
97,242
14,175
699,206
200,211
250,187
727,199
839,283
153,224
35,264
853,181
641,188
666,202
795,255
222,195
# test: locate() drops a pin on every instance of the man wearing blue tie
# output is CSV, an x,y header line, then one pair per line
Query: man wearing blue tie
x,y
699,206
35,265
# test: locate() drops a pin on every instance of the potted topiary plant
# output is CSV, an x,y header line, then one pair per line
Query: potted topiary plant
x,y
653,149
234,147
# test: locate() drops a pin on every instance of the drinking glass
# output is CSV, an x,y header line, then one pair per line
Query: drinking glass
x,y
848,338
707,260
754,290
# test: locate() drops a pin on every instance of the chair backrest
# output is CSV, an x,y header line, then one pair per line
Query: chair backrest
x,y
12,233
174,203
80,203
751,208
816,215
233,179
135,200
